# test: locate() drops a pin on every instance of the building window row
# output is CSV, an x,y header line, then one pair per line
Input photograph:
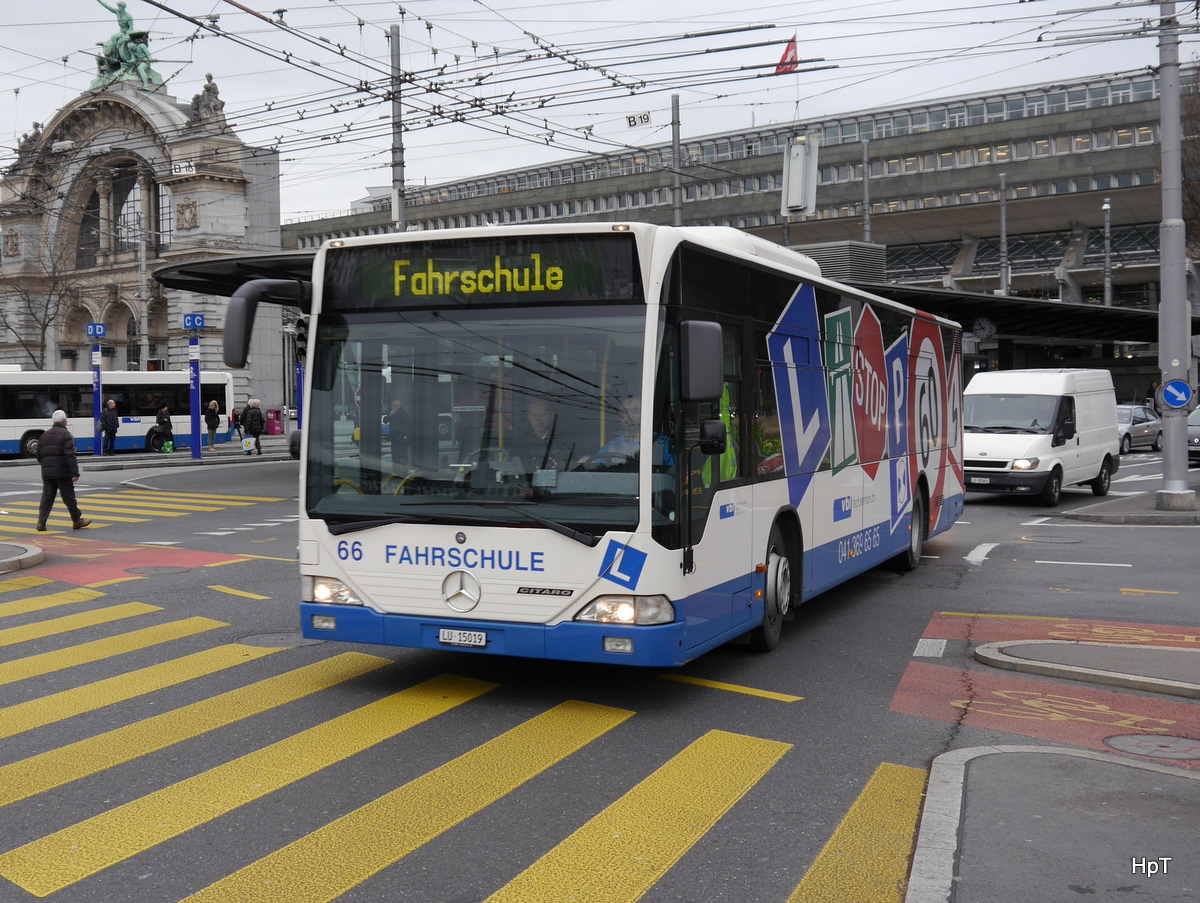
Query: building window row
x,y
982,196
992,154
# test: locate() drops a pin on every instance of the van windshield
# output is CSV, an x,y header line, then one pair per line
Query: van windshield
x,y
1010,413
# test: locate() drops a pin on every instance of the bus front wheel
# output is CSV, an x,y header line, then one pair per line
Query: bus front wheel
x,y
777,593
29,444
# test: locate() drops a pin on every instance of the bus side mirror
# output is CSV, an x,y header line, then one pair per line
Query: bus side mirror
x,y
712,437
701,357
239,315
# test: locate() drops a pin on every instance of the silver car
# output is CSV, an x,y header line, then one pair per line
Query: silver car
x,y
1138,425
1194,435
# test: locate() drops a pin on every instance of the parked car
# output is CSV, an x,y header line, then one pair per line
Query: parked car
x,y
1138,425
1194,435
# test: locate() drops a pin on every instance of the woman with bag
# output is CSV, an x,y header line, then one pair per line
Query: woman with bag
x,y
163,423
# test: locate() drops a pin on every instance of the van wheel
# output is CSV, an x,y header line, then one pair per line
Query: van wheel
x,y
777,594
1103,480
918,532
1052,491
29,444
1158,442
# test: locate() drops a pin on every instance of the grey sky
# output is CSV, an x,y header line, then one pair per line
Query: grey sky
x,y
540,81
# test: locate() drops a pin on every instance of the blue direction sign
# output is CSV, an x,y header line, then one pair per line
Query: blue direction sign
x,y
193,321
96,330
1177,393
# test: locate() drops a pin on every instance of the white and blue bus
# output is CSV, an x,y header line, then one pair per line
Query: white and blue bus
x,y
604,442
29,397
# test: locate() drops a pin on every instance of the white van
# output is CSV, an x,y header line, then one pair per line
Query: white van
x,y
1034,431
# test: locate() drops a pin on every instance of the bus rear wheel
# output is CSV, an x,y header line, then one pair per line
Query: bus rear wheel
x,y
911,557
29,444
778,592
154,441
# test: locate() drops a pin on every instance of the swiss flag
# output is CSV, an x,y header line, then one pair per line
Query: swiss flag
x,y
790,60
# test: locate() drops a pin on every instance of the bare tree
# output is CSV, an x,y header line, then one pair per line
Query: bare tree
x,y
34,298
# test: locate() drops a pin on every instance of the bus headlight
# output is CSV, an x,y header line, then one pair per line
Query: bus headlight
x,y
628,610
1026,463
327,591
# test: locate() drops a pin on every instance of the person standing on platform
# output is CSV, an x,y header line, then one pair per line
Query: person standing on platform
x,y
254,422
212,420
60,471
109,423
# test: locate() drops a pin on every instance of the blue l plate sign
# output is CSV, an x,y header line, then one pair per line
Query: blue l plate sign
x,y
193,321
1177,393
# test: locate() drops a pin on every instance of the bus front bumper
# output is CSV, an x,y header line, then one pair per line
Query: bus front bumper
x,y
652,646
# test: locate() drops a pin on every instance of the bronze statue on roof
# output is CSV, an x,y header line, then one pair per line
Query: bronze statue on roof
x,y
126,55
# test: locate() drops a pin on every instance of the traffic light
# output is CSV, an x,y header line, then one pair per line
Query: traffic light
x,y
301,338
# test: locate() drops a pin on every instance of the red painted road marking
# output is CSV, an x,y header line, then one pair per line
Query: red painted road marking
x,y
994,628
1070,714
104,561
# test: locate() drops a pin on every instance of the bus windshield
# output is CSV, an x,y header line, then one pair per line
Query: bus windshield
x,y
482,415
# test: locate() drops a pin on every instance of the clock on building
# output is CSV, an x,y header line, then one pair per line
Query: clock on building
x,y
983,328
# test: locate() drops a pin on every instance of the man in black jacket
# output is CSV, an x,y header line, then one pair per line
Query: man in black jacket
x,y
109,422
60,471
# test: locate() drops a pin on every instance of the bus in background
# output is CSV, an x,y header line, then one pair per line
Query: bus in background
x,y
604,442
29,397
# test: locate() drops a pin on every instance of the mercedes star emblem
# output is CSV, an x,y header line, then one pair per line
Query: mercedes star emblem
x,y
461,590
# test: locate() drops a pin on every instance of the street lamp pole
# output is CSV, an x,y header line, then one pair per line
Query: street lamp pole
x,y
1174,326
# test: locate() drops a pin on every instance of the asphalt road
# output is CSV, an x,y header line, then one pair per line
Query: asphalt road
x,y
166,734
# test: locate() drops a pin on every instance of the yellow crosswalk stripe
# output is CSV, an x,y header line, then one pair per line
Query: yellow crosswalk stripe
x,y
53,520
8,586
72,854
185,498
650,828
96,650
88,506
14,635
237,592
60,766
149,504
866,859
205,495
387,829
59,706
41,603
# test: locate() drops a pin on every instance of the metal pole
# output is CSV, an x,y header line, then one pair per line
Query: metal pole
x,y
97,400
1107,208
1003,235
1174,327
866,194
194,392
676,182
399,217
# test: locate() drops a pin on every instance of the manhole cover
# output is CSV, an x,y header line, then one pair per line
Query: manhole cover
x,y
1158,747
278,640
1051,539
154,572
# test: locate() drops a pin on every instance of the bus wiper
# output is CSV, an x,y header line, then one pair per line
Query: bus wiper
x,y
355,525
578,535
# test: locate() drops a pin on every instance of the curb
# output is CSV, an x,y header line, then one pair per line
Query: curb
x,y
1166,520
181,461
29,557
993,654
932,877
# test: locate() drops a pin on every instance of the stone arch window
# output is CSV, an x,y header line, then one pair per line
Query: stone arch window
x,y
133,350
127,206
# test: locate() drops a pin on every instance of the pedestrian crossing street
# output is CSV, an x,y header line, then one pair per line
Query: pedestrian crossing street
x,y
646,830
124,506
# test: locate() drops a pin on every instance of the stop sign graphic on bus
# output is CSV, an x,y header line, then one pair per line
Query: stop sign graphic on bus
x,y
870,392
